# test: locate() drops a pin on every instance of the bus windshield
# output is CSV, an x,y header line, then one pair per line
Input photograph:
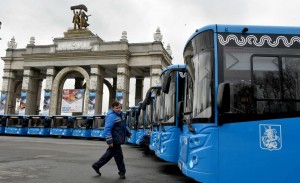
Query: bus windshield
x,y
61,123
198,89
169,98
158,107
36,122
141,119
132,120
3,121
264,81
148,116
83,123
14,122
98,123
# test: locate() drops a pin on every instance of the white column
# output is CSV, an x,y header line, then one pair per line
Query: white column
x,y
155,71
139,86
123,81
8,99
48,94
96,90
29,92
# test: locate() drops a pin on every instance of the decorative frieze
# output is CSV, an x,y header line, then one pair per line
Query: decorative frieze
x,y
74,45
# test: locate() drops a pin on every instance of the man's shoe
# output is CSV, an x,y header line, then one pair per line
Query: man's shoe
x,y
95,167
122,176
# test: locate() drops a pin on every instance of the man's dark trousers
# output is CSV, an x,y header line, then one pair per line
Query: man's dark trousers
x,y
116,152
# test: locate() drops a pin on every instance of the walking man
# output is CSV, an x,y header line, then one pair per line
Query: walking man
x,y
115,133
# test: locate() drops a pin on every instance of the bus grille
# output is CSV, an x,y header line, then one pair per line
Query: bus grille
x,y
184,149
158,141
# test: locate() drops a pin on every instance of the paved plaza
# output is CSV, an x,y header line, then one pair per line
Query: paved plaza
x,y
60,160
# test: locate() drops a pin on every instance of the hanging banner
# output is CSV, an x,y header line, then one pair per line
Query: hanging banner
x,y
23,103
3,102
46,104
92,101
120,96
72,100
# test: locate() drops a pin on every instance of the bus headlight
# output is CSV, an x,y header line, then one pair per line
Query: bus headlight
x,y
191,164
185,140
163,148
193,161
153,143
166,136
197,141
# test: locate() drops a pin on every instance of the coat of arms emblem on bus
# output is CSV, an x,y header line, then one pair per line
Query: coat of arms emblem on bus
x,y
270,137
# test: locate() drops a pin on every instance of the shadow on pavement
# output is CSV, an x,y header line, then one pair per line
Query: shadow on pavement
x,y
173,170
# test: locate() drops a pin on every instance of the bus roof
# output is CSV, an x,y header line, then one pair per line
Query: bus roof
x,y
248,29
98,115
134,107
16,115
83,116
41,116
61,116
175,66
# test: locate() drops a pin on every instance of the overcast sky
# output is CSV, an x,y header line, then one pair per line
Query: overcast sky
x,y
177,19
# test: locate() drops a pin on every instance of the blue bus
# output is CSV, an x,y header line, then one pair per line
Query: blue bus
x,y
39,125
2,123
242,105
16,124
83,126
62,125
153,104
98,126
143,124
132,123
173,79
128,121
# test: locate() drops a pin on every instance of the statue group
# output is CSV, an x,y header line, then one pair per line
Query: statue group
x,y
80,19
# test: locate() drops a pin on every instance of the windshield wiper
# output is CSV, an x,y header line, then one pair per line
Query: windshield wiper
x,y
188,122
162,126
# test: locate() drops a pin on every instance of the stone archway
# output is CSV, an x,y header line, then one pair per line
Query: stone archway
x,y
111,90
57,84
85,53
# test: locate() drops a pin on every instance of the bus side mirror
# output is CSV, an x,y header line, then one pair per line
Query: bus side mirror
x,y
138,111
179,110
224,98
179,113
146,100
166,80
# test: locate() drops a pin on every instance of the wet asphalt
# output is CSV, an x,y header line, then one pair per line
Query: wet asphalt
x,y
66,160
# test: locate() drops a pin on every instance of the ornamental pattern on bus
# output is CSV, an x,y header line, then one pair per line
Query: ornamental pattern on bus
x,y
270,137
253,40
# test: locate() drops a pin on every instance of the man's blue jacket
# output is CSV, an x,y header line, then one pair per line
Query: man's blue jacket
x,y
115,128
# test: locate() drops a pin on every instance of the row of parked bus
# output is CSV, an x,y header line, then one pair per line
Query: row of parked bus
x,y
87,126
229,115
